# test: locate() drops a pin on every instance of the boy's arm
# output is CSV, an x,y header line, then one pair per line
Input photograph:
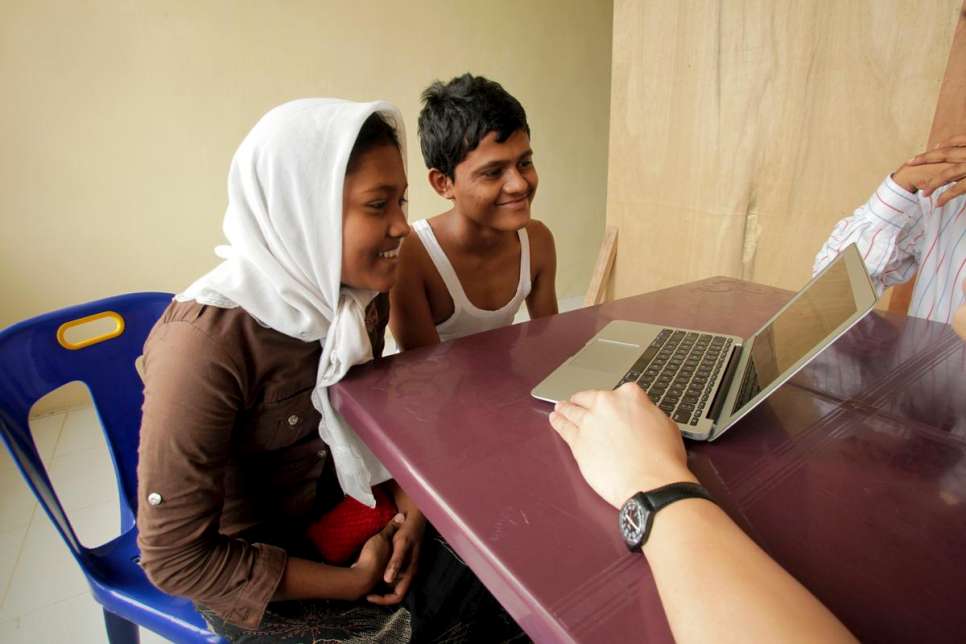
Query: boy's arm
x,y
410,318
887,230
542,300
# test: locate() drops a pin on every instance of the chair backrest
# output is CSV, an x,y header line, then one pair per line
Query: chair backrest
x,y
38,356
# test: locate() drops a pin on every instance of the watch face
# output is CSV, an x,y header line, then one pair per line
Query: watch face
x,y
633,521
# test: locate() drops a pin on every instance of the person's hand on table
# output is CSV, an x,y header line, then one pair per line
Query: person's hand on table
x,y
402,565
622,442
959,318
929,171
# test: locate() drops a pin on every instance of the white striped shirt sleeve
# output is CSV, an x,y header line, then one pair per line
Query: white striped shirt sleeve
x,y
888,230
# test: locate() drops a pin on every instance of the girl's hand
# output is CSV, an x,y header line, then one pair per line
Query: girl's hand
x,y
406,544
371,564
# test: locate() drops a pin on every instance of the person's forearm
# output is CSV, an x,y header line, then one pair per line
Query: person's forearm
x,y
717,585
959,321
886,230
413,337
403,503
542,305
304,579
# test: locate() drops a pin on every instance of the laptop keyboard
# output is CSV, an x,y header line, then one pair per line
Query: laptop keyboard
x,y
678,371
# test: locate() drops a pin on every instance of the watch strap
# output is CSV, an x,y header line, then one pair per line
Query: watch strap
x,y
667,494
654,500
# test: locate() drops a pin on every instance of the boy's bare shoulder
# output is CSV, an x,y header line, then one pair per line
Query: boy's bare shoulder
x,y
412,254
541,239
537,227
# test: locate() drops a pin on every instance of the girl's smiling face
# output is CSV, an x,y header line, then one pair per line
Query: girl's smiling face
x,y
373,218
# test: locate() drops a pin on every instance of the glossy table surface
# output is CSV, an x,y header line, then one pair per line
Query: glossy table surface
x,y
852,475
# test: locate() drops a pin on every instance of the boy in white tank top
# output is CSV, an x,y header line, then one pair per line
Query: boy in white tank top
x,y
470,268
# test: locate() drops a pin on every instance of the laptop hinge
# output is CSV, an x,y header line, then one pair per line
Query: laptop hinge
x,y
725,385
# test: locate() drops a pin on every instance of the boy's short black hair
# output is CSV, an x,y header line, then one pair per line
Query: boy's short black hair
x,y
377,130
458,114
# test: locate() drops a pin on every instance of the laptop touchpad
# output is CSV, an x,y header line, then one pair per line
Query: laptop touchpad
x,y
607,355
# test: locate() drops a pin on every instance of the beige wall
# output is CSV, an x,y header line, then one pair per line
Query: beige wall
x,y
119,119
742,130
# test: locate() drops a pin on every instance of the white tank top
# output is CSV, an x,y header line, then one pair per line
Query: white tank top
x,y
468,319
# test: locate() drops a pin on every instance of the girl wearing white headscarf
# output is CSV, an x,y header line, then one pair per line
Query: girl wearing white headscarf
x,y
240,447
283,263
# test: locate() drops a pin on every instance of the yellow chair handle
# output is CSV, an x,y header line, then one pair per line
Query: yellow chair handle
x,y
107,335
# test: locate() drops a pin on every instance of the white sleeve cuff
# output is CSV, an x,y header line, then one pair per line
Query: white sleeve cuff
x,y
892,204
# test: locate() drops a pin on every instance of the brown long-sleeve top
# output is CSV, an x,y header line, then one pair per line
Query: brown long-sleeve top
x,y
230,449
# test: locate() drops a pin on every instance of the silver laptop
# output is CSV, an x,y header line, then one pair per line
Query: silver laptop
x,y
707,381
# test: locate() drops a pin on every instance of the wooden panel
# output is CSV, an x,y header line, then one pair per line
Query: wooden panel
x,y
950,118
741,131
600,280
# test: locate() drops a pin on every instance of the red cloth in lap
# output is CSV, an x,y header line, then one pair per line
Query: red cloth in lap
x,y
342,531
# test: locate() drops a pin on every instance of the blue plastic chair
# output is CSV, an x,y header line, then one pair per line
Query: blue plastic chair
x,y
38,356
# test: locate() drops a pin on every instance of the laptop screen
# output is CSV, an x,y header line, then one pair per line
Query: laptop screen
x,y
816,312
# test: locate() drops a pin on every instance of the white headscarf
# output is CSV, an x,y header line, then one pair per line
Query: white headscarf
x,y
283,260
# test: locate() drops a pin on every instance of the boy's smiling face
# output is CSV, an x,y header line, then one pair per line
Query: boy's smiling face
x,y
495,184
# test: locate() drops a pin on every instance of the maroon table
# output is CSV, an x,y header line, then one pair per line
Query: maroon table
x,y
852,475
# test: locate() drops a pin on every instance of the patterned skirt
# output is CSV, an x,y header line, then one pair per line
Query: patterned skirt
x,y
446,604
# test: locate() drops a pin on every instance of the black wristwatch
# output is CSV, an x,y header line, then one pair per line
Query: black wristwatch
x,y
637,514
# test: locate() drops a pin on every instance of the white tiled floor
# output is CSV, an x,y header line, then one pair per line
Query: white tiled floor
x,y
43,594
